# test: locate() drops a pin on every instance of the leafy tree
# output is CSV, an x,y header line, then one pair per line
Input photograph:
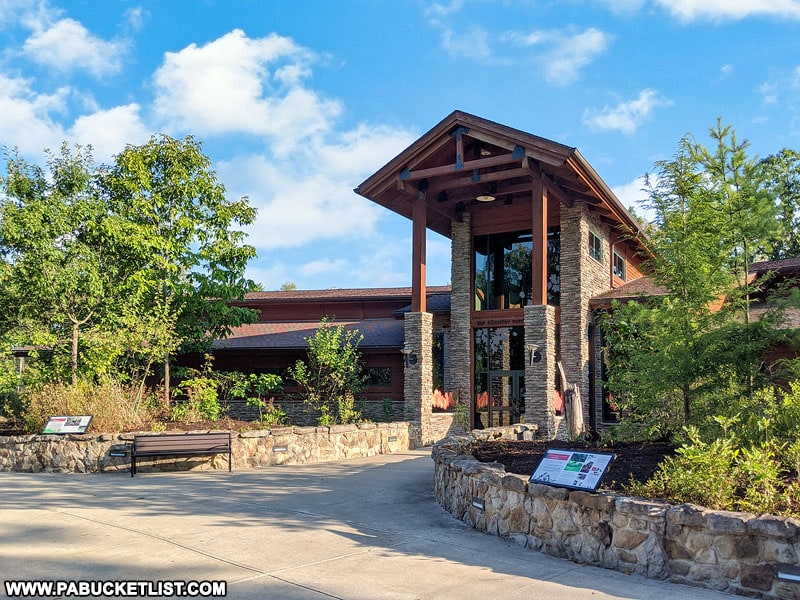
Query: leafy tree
x,y
333,373
676,359
56,278
730,183
288,286
181,240
779,177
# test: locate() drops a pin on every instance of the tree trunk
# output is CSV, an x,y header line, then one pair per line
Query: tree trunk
x,y
74,358
166,380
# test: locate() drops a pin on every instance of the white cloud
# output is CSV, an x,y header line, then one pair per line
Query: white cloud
x,y
33,121
67,45
439,10
626,116
227,86
31,13
473,44
309,195
325,265
564,54
691,10
26,116
136,17
295,208
108,131
769,93
623,7
634,195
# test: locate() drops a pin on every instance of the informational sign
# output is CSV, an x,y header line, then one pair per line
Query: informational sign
x,y
68,424
574,469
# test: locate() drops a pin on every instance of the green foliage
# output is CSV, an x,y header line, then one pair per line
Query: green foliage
x,y
701,473
677,359
332,374
736,463
202,400
108,402
257,388
109,271
181,239
387,410
779,177
345,409
57,279
461,415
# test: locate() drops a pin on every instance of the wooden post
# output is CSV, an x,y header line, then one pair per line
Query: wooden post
x,y
539,225
418,255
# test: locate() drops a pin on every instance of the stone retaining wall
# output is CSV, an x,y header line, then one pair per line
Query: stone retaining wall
x,y
90,453
739,553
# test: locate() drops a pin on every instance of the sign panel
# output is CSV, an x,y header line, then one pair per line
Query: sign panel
x,y
574,469
68,424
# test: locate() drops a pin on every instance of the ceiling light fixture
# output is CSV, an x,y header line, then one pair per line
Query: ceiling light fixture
x,y
489,195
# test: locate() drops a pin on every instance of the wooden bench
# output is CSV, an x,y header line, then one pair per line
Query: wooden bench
x,y
180,444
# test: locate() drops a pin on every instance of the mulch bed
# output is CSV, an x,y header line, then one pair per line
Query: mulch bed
x,y
634,460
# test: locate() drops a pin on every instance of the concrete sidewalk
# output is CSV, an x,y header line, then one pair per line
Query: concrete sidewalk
x,y
362,529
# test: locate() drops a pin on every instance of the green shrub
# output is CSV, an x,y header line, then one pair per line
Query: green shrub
x,y
111,405
256,388
724,475
461,415
202,401
700,473
387,410
332,374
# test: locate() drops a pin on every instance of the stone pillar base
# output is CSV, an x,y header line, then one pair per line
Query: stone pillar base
x,y
540,372
418,373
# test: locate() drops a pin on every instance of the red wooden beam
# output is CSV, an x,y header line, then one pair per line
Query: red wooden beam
x,y
418,255
539,217
481,163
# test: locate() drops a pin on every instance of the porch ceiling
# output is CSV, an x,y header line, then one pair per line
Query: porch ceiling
x,y
465,156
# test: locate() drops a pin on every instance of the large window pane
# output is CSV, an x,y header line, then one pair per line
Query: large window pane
x,y
503,266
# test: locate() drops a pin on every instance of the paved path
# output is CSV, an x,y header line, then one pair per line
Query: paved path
x,y
362,529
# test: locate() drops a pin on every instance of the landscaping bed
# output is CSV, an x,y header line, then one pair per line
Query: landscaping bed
x,y
9,427
634,460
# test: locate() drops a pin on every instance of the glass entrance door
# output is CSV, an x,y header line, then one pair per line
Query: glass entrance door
x,y
506,397
499,397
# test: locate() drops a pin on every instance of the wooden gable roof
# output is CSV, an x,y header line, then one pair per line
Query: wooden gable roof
x,y
465,156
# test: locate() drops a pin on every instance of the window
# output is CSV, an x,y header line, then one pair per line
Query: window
x,y
379,376
503,270
595,246
619,266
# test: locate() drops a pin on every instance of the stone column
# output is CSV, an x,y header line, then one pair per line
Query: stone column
x,y
581,278
460,345
540,377
418,372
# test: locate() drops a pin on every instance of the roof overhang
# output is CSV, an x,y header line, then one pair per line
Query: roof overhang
x,y
465,156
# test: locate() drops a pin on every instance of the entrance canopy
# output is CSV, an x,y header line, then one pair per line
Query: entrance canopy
x,y
470,164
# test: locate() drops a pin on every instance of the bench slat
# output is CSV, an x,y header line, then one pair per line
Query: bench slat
x,y
182,444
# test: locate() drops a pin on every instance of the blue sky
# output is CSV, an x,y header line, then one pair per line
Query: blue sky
x,y
297,103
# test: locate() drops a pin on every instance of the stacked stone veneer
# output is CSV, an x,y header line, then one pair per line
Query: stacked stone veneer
x,y
418,376
286,445
582,277
540,330
738,553
460,341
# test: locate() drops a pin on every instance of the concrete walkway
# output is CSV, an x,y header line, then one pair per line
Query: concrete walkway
x,y
362,529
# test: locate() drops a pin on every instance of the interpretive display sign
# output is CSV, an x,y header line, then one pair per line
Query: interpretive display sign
x,y
574,469
68,424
